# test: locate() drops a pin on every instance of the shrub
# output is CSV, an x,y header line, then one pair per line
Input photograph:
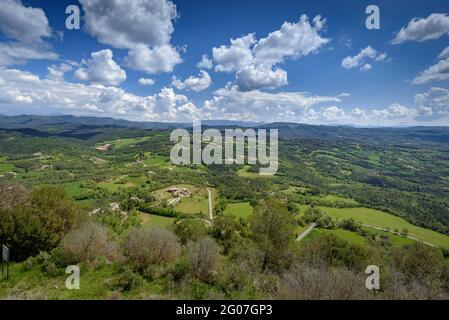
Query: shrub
x,y
225,230
153,246
190,230
88,243
127,280
334,251
419,261
315,215
350,225
179,270
204,259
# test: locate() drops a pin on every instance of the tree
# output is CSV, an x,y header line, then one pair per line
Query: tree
x,y
404,232
153,246
36,222
87,243
225,228
190,230
333,251
272,229
204,259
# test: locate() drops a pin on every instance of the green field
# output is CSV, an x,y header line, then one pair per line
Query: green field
x,y
120,143
192,205
388,221
5,167
244,173
349,236
73,188
153,221
156,160
240,210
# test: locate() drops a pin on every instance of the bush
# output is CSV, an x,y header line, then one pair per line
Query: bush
x,y
88,243
204,259
153,246
179,270
419,261
225,230
315,215
334,251
190,230
350,225
127,280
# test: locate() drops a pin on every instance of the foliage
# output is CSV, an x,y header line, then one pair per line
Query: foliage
x,y
154,246
272,229
37,222
204,259
190,230
88,243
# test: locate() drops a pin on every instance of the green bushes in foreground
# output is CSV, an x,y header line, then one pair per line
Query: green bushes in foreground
x,y
229,259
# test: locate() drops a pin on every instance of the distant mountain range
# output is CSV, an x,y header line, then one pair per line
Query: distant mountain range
x,y
87,127
32,121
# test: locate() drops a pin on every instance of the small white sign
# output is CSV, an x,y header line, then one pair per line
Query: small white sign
x,y
5,253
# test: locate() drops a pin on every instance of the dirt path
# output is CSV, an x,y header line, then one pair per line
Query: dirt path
x,y
211,215
304,234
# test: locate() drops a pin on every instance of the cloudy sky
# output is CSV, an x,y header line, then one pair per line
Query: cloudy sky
x,y
285,60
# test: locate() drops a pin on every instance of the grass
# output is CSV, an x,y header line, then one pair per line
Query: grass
x,y
396,240
192,205
334,198
240,210
112,186
156,160
120,143
73,188
5,167
388,221
151,220
95,284
244,173
349,236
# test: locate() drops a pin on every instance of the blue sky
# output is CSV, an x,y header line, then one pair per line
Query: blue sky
x,y
330,69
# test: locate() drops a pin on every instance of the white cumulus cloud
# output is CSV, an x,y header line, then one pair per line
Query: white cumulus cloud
x,y
57,72
153,60
101,68
28,28
360,59
144,27
146,81
28,92
205,62
256,62
433,104
255,105
256,77
424,29
437,72
197,84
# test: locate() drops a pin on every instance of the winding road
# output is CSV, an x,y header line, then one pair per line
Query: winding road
x,y
211,215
